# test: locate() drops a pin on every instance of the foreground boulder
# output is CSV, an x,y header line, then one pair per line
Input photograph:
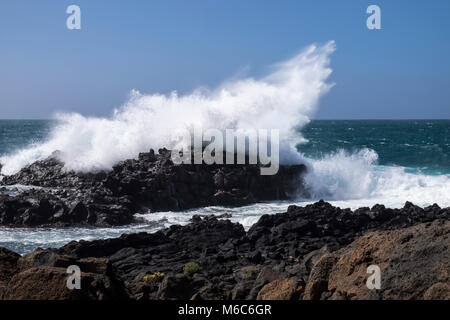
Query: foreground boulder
x,y
312,252
43,275
150,182
48,283
414,264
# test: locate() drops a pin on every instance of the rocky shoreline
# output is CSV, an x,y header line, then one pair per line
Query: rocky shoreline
x,y
150,183
313,252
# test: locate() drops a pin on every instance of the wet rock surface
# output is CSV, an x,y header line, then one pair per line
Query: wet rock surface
x,y
150,182
313,252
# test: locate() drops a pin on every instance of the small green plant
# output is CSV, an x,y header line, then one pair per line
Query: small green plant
x,y
154,278
190,268
251,274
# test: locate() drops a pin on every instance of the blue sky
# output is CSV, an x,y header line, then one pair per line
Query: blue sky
x,y
401,71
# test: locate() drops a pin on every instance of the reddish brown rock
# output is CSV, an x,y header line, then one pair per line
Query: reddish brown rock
x,y
414,264
278,290
49,283
42,275
318,278
41,258
438,291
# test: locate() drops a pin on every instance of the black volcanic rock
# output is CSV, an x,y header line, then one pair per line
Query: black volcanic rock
x,y
279,252
38,207
150,182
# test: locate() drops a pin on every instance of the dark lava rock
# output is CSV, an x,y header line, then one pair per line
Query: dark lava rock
x,y
38,207
8,266
150,182
278,257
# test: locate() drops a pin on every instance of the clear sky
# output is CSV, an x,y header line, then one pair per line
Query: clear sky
x,y
401,71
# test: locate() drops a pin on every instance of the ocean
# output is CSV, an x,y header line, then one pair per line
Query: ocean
x,y
352,163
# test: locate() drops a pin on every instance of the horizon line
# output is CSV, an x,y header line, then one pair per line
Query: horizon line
x,y
341,119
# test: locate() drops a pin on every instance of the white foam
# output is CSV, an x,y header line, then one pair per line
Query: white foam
x,y
282,100
247,216
16,189
354,180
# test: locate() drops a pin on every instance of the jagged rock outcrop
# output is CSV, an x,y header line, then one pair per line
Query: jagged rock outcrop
x,y
150,182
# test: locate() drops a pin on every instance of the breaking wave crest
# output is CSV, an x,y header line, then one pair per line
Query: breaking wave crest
x,y
284,100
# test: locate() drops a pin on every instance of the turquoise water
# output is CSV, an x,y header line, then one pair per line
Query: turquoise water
x,y
422,145
18,134
419,145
